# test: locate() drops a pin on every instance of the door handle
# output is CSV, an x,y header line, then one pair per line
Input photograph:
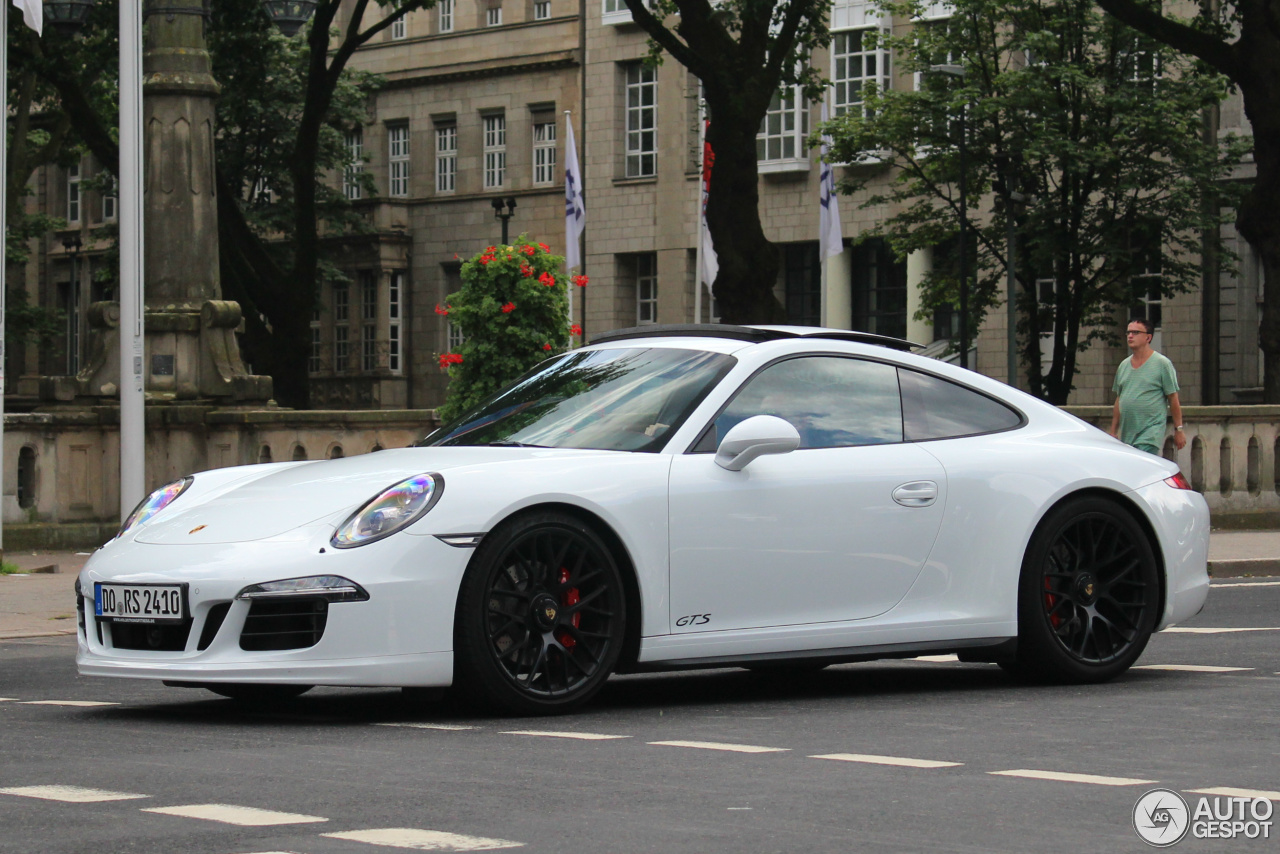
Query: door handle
x,y
918,493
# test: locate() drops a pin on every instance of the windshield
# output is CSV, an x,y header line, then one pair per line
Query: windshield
x,y
611,400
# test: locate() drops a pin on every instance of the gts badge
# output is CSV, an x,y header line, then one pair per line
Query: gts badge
x,y
694,620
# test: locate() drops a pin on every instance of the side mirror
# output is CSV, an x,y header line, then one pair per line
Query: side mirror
x,y
755,437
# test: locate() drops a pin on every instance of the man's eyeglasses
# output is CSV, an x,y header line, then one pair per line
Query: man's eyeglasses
x,y
1136,332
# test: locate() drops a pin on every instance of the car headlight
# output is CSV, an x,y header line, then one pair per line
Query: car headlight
x,y
154,503
333,588
396,507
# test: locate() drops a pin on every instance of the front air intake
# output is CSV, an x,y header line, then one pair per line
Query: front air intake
x,y
292,622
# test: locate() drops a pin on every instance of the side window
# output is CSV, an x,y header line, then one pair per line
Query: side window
x,y
833,402
933,408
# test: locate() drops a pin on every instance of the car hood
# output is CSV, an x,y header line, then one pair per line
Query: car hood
x,y
288,498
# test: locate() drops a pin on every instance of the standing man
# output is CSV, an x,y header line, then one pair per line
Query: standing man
x,y
1144,383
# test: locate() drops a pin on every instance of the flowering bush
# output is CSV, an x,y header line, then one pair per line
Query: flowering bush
x,y
512,310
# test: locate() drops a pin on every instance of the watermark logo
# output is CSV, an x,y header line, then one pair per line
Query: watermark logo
x,y
1161,818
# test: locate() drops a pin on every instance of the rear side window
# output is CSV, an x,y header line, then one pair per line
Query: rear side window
x,y
934,408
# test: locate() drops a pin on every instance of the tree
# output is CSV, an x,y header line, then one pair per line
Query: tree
x,y
744,52
1241,40
1094,127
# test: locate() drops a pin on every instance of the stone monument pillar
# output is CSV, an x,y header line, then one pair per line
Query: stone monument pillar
x,y
191,350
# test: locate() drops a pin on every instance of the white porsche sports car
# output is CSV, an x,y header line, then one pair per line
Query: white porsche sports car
x,y
668,497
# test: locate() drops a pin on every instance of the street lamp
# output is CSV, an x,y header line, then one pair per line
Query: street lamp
x,y
958,71
67,16
290,15
510,203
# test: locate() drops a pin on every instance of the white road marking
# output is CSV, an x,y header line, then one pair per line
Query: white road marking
x,y
8,699
446,727
1191,668
242,816
938,658
1199,630
584,736
424,840
1064,777
738,808
70,794
900,761
67,703
1238,793
715,745
1246,584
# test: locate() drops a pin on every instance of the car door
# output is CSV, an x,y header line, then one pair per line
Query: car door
x,y
835,530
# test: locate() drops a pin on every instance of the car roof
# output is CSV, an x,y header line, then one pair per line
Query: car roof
x,y
749,334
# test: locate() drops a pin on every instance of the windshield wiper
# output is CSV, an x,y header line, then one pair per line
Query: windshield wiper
x,y
505,443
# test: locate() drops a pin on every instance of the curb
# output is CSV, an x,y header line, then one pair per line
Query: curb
x,y
1244,568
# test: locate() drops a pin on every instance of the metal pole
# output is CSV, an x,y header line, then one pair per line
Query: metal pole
x,y
132,400
1011,236
697,218
4,261
964,238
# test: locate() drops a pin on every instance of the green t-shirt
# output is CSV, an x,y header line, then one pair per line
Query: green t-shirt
x,y
1144,399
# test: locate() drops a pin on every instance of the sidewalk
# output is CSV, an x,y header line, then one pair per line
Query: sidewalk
x,y
42,604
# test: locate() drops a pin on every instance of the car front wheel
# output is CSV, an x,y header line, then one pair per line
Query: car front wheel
x,y
541,616
1088,594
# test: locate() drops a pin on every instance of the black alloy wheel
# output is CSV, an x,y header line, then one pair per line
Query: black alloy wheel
x,y
541,616
1089,594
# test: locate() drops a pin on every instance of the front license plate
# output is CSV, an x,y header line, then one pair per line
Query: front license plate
x,y
140,603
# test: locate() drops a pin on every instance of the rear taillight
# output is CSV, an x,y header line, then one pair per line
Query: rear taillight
x,y
1178,481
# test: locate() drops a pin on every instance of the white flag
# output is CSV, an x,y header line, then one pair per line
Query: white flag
x,y
710,263
32,13
575,213
830,241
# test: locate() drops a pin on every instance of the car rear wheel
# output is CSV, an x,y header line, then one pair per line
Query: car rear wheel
x,y
541,616
248,693
1088,595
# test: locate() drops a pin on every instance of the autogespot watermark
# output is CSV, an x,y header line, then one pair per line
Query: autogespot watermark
x,y
1162,818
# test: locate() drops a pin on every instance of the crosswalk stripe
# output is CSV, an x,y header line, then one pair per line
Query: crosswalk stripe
x,y
1064,777
230,814
937,658
423,840
583,736
715,745
1192,668
67,703
1203,630
70,794
1228,792
1246,584
900,761
445,727
8,699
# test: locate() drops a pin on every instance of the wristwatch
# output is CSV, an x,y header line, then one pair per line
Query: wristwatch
x,y
1177,427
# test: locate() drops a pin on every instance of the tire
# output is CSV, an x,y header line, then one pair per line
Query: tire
x,y
250,693
541,616
1088,595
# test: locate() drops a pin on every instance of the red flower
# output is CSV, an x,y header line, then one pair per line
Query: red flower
x,y
548,280
442,311
489,250
528,250
580,281
447,359
455,256
526,270
575,329
545,247
546,346
486,259
508,308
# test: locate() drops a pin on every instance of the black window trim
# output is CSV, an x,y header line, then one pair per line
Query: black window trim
x,y
1022,417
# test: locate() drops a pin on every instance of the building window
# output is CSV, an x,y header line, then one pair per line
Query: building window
x,y
109,199
495,151
493,16
446,159
783,131
1148,300
642,124
644,272
855,65
315,362
394,316
368,320
341,328
73,193
398,159
399,29
802,278
879,290
445,8
355,163
542,10
454,337
71,306
544,152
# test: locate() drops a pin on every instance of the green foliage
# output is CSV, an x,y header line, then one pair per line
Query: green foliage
x,y
1087,133
25,323
512,310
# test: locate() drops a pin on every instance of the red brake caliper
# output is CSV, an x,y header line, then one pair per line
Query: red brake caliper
x,y
571,597
1050,600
